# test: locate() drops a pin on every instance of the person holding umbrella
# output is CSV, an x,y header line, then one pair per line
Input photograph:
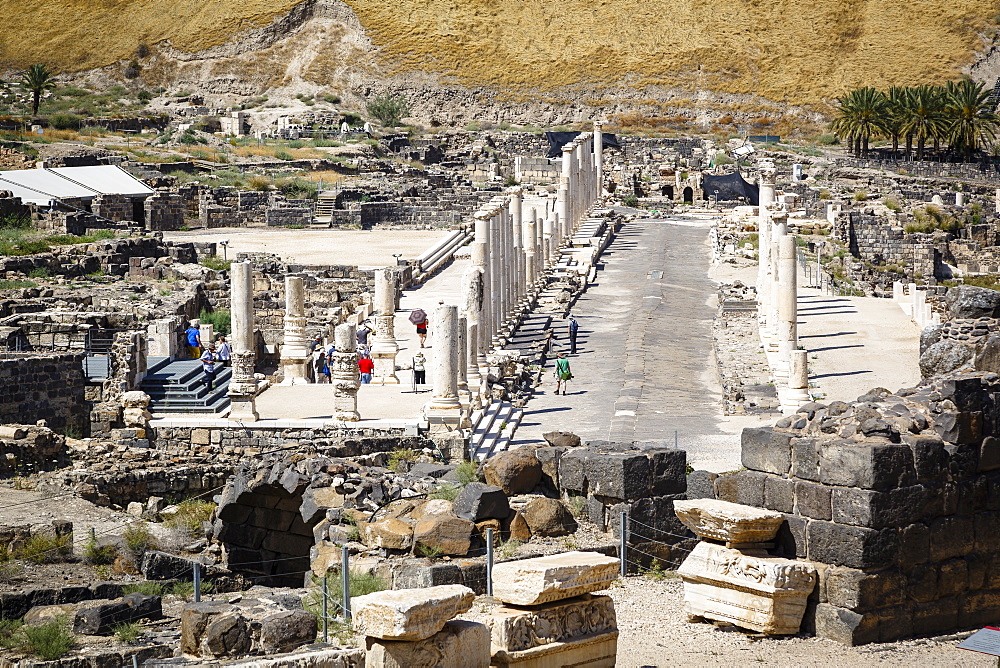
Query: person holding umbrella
x,y
418,317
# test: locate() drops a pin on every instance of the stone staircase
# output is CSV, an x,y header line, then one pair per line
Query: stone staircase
x,y
488,438
325,204
176,386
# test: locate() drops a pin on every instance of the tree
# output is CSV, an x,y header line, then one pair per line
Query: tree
x,y
37,79
862,114
388,109
971,120
923,116
896,98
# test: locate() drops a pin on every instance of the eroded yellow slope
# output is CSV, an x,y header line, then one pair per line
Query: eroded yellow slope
x,y
785,49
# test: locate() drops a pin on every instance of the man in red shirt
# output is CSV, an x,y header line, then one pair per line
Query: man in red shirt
x,y
366,366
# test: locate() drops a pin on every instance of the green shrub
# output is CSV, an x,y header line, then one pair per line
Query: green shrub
x,y
507,549
891,204
137,539
220,319
630,200
429,551
753,239
467,472
389,110
45,549
128,633
824,194
298,189
49,641
722,159
445,492
186,589
65,121
282,154
40,272
332,99
400,455
9,632
577,505
860,196
190,515
6,284
145,96
827,140
96,554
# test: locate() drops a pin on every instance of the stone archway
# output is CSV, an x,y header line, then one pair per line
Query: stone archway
x,y
688,195
264,533
667,191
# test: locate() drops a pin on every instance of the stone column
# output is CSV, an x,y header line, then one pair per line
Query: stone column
x,y
444,411
495,295
517,243
294,355
788,331
472,290
798,381
996,201
483,328
564,196
472,373
464,392
959,199
764,267
548,230
599,156
384,347
243,386
344,373
530,251
778,229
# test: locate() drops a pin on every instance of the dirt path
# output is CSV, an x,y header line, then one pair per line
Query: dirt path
x,y
32,507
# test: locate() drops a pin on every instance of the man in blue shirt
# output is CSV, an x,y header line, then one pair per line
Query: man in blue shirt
x,y
574,327
193,337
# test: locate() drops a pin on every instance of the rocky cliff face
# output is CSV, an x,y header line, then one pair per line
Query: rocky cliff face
x,y
546,62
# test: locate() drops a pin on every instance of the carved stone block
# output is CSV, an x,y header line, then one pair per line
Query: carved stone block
x,y
765,594
592,651
410,614
517,629
553,578
459,643
730,522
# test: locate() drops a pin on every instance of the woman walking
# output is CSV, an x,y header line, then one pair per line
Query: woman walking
x,y
563,373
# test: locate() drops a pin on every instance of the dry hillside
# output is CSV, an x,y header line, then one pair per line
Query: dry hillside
x,y
786,50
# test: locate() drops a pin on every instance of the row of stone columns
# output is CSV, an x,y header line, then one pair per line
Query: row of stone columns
x,y
777,296
512,246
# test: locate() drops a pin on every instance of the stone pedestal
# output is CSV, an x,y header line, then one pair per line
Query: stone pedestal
x,y
444,411
459,643
243,386
738,582
551,619
294,354
384,347
344,374
798,381
162,338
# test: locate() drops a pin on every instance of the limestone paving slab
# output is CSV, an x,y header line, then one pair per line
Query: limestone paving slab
x,y
553,578
410,614
730,522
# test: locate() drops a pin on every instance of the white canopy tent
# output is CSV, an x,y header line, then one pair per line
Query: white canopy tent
x,y
48,185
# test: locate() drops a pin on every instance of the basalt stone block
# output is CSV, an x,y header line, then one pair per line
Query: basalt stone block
x,y
868,508
763,449
978,608
876,467
845,626
158,565
914,544
779,494
857,590
930,459
937,616
960,426
102,619
805,459
625,473
812,500
701,485
750,488
284,631
477,502
790,540
851,546
895,623
966,392
952,536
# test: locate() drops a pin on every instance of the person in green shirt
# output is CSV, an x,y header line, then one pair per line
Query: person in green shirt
x,y
563,374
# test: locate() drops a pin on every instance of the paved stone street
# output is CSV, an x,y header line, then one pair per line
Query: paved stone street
x,y
644,366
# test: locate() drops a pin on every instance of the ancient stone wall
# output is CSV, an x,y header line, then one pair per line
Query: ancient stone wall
x,y
966,171
896,500
165,211
27,449
44,387
113,207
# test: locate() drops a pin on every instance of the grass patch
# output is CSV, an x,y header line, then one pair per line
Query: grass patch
x,y
16,284
215,262
577,505
146,588
753,239
467,472
429,551
508,549
45,549
190,515
446,492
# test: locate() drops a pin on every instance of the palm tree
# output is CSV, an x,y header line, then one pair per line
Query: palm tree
x,y
923,116
862,115
896,98
971,120
37,79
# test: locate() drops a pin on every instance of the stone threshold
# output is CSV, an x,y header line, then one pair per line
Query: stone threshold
x,y
411,427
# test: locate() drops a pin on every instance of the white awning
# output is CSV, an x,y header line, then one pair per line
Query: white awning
x,y
46,186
